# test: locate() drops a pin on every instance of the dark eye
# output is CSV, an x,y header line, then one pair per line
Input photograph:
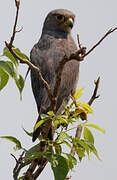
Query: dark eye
x,y
60,18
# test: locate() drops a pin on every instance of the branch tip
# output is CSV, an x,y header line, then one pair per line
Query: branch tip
x,y
14,158
68,177
78,38
105,35
98,96
19,30
17,3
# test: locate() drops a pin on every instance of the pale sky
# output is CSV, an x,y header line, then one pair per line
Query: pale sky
x,y
93,19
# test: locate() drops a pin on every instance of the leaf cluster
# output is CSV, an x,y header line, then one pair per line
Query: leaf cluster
x,y
9,68
56,151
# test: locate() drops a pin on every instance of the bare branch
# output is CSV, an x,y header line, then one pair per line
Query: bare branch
x,y
17,3
95,96
19,165
68,177
19,30
78,39
17,171
107,33
14,158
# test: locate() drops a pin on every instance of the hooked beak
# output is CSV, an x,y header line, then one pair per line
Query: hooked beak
x,y
70,22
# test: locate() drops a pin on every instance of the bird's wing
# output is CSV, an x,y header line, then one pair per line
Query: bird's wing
x,y
39,58
48,57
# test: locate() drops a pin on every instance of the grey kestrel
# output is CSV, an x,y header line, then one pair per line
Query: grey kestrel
x,y
55,42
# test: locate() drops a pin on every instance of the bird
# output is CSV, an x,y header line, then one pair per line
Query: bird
x,y
55,42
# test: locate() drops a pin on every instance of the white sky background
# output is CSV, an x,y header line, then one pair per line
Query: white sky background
x,y
93,19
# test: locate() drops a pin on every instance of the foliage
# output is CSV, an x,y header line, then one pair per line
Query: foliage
x,y
14,140
75,115
9,68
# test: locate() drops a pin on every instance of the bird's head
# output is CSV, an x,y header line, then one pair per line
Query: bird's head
x,y
59,20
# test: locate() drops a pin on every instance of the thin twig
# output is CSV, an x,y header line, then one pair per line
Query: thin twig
x,y
14,158
68,177
19,30
95,96
17,3
107,33
78,39
17,171
19,162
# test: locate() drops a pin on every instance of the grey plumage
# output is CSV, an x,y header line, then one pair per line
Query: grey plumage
x,y
55,42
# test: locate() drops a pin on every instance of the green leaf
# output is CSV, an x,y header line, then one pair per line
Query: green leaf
x,y
96,153
89,147
19,53
44,116
87,108
51,113
88,135
38,124
81,152
58,148
33,153
96,127
61,169
7,53
93,149
20,83
80,147
69,145
64,104
83,144
52,159
78,93
14,140
4,77
71,160
62,136
7,67
28,133
60,121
